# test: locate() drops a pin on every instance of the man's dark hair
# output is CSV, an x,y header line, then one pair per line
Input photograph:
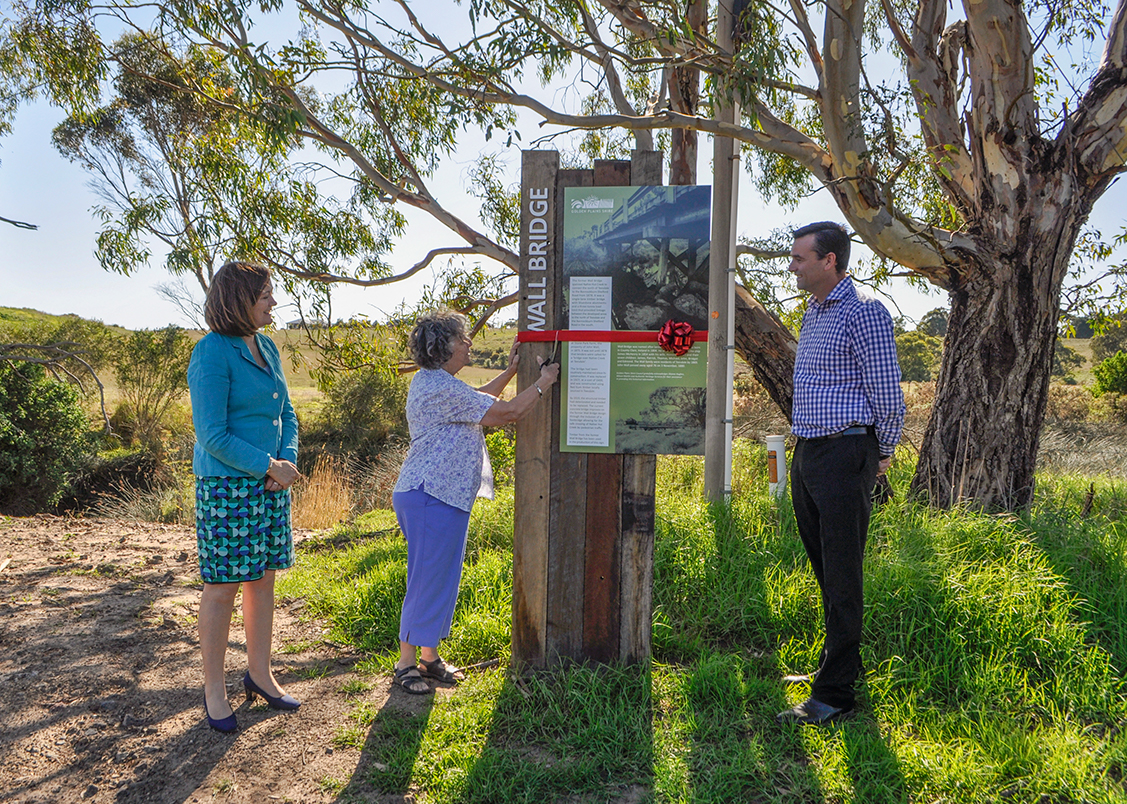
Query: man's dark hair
x,y
829,237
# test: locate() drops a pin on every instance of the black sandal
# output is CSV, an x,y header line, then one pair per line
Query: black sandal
x,y
439,670
409,678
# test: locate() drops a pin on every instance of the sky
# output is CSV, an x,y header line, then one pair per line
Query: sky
x,y
53,268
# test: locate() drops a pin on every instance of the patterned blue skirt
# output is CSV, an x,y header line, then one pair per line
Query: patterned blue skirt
x,y
242,530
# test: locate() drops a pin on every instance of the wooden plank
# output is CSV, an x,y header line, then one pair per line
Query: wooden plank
x,y
639,483
601,594
645,168
601,597
639,487
568,499
531,521
566,557
612,173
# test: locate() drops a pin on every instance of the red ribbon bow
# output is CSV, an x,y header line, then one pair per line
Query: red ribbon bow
x,y
675,337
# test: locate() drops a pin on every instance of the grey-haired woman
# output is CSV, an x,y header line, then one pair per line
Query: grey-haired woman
x,y
446,469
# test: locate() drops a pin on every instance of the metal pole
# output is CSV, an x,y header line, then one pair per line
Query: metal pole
x,y
721,295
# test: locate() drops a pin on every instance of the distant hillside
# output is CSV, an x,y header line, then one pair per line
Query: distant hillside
x,y
23,316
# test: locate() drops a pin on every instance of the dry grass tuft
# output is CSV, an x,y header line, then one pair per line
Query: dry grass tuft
x,y
324,498
171,504
377,480
1084,448
754,414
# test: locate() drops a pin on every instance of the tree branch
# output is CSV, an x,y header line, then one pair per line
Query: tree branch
x,y
761,253
344,279
932,65
1097,128
643,139
18,224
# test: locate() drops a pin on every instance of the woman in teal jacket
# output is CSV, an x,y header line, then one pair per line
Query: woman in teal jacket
x,y
244,461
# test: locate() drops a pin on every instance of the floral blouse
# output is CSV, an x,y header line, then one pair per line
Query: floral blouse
x,y
447,458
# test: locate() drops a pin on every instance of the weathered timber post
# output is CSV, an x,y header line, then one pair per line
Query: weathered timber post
x,y
584,522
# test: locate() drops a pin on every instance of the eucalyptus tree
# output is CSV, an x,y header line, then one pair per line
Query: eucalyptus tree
x,y
179,164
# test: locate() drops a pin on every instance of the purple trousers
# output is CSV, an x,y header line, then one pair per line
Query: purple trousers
x,y
436,546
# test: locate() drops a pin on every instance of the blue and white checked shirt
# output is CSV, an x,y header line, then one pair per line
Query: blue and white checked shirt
x,y
846,372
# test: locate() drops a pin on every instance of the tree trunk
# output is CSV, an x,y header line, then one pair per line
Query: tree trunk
x,y
768,347
981,441
684,97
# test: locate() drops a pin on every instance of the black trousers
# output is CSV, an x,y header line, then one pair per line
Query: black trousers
x,y
831,487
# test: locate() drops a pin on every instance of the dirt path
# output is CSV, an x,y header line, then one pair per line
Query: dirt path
x,y
100,688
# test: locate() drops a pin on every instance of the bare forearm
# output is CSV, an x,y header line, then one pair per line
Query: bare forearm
x,y
505,411
497,385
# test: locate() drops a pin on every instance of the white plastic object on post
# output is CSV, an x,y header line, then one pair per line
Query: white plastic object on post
x,y
777,465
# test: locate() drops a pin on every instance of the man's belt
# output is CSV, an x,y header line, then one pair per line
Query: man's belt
x,y
861,429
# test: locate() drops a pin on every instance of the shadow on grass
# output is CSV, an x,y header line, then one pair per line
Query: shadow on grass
x,y
395,737
873,769
580,734
738,751
577,734
1091,557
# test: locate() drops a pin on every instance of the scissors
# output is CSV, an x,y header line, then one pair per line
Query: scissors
x,y
554,356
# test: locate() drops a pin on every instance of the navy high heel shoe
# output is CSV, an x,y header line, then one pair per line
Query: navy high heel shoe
x,y
225,725
283,702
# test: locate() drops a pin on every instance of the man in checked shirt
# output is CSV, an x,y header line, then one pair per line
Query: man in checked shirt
x,y
847,415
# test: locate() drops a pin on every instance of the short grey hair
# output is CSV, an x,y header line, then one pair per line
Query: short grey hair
x,y
433,337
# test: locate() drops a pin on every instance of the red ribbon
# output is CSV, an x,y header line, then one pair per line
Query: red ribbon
x,y
685,335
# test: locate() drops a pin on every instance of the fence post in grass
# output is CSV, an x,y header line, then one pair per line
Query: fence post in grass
x,y
583,522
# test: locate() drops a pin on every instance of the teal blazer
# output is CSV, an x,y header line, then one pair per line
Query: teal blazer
x,y
241,411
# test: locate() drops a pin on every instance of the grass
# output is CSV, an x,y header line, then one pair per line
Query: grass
x,y
324,498
995,648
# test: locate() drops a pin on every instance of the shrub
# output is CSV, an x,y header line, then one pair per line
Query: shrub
x,y
114,475
92,340
1065,361
152,372
1111,375
918,354
501,445
361,410
1068,403
934,322
1111,339
42,438
364,395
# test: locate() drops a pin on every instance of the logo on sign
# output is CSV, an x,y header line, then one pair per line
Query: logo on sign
x,y
592,202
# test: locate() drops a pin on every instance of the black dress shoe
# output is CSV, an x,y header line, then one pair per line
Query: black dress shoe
x,y
814,713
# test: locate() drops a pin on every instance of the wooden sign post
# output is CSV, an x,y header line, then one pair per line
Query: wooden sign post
x,y
584,522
